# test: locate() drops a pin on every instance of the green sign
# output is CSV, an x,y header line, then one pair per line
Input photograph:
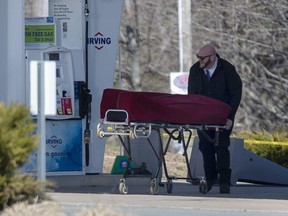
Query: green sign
x,y
40,33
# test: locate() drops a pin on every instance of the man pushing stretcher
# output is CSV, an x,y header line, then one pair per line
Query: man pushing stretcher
x,y
216,78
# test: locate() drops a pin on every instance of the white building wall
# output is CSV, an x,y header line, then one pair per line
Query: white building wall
x,y
12,62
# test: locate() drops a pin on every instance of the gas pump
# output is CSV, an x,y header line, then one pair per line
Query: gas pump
x,y
82,38
64,80
64,131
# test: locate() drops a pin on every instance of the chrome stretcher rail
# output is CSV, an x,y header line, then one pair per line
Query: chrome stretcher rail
x,y
118,123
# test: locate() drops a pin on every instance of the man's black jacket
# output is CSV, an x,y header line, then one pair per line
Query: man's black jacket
x,y
225,84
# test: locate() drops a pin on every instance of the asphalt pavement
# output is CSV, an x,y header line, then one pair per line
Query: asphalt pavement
x,y
74,193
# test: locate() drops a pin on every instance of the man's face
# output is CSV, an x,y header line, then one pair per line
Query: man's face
x,y
206,56
205,61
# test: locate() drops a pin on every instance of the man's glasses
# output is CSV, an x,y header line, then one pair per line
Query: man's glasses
x,y
202,57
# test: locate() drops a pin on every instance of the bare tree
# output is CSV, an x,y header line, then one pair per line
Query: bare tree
x,y
251,34
149,30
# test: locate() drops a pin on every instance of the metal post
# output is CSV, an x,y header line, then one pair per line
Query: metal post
x,y
180,35
120,87
41,174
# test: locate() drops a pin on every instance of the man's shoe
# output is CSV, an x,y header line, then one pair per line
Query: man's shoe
x,y
205,186
209,185
224,188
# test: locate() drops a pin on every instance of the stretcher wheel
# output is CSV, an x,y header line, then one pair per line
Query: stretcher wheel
x,y
100,132
123,188
132,135
203,187
154,187
169,186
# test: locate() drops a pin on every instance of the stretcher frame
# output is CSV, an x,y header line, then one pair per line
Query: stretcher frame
x,y
116,122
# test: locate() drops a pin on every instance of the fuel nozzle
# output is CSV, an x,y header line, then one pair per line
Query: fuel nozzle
x,y
86,12
87,136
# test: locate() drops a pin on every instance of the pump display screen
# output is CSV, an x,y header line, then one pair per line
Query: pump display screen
x,y
54,56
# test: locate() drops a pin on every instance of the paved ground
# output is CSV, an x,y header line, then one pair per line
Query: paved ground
x,y
185,197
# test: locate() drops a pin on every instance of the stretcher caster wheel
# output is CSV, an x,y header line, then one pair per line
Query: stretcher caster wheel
x,y
169,186
100,133
203,186
132,135
123,188
154,187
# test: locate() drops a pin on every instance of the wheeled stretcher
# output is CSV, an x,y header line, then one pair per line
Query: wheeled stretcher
x,y
134,115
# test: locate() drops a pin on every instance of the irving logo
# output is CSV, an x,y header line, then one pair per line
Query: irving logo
x,y
54,141
99,41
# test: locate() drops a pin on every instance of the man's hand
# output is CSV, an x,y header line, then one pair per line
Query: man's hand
x,y
229,124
